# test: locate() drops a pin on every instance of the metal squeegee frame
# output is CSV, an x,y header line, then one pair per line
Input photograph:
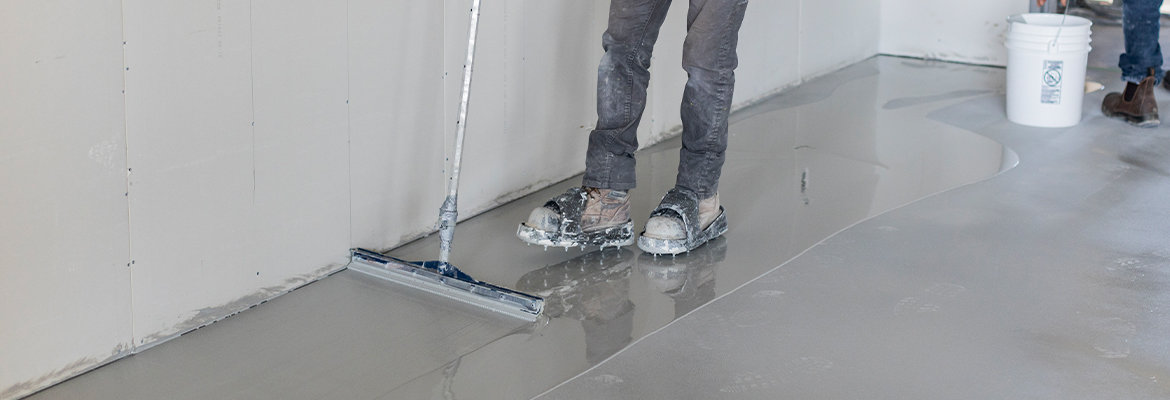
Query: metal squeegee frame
x,y
426,277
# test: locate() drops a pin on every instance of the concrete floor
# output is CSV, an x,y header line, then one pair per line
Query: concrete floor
x,y
841,277
1049,281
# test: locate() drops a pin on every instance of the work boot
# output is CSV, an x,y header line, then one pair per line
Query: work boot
x,y
1136,105
604,208
579,217
669,227
682,222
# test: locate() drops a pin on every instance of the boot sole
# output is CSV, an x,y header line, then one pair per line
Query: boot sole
x,y
675,246
614,236
1132,120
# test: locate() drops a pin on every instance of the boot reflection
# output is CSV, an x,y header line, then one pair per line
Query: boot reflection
x,y
689,279
594,289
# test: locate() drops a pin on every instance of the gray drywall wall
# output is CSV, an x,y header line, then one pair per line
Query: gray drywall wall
x,y
238,151
964,31
257,141
64,248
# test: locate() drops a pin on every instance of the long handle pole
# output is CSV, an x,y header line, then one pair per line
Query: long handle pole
x,y
447,213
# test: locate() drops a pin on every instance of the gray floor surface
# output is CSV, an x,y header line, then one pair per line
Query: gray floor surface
x,y
1049,281
1045,281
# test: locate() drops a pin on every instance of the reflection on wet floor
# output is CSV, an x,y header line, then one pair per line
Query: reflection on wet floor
x,y
689,281
800,167
593,288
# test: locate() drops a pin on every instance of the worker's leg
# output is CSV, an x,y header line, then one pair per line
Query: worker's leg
x,y
690,214
709,58
622,78
599,213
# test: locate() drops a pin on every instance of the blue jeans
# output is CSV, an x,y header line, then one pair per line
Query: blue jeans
x,y
1141,24
709,58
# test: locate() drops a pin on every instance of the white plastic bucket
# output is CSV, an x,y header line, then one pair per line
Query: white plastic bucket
x,y
1047,55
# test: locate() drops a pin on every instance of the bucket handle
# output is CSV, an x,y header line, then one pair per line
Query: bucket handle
x,y
1052,43
1053,47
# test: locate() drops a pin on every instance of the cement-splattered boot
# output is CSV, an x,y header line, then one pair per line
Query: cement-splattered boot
x,y
682,222
582,216
1135,105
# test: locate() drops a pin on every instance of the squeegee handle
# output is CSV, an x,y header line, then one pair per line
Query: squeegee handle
x,y
448,214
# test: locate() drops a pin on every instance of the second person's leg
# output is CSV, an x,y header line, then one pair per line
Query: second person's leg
x,y
1141,65
1141,22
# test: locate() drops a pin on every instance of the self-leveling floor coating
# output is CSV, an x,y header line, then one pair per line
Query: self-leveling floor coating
x,y
882,244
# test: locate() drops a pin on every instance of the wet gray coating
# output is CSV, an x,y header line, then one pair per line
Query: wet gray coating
x,y
1050,281
801,167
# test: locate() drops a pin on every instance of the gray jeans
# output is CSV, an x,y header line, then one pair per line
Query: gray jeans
x,y
709,58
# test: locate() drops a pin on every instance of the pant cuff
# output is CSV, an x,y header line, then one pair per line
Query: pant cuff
x,y
594,183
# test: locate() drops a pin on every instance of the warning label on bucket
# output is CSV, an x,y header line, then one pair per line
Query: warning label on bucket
x,y
1050,87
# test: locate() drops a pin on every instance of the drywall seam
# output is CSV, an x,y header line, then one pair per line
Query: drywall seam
x,y
799,39
348,130
126,167
252,90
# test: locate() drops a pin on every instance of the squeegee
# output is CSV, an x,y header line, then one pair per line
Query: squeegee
x,y
440,277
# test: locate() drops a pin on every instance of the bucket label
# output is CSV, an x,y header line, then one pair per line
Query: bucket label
x,y
1050,83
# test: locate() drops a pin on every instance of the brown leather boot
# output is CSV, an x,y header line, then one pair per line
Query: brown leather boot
x,y
605,208
1135,105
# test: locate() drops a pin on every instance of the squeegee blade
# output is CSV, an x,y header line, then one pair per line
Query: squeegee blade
x,y
425,276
